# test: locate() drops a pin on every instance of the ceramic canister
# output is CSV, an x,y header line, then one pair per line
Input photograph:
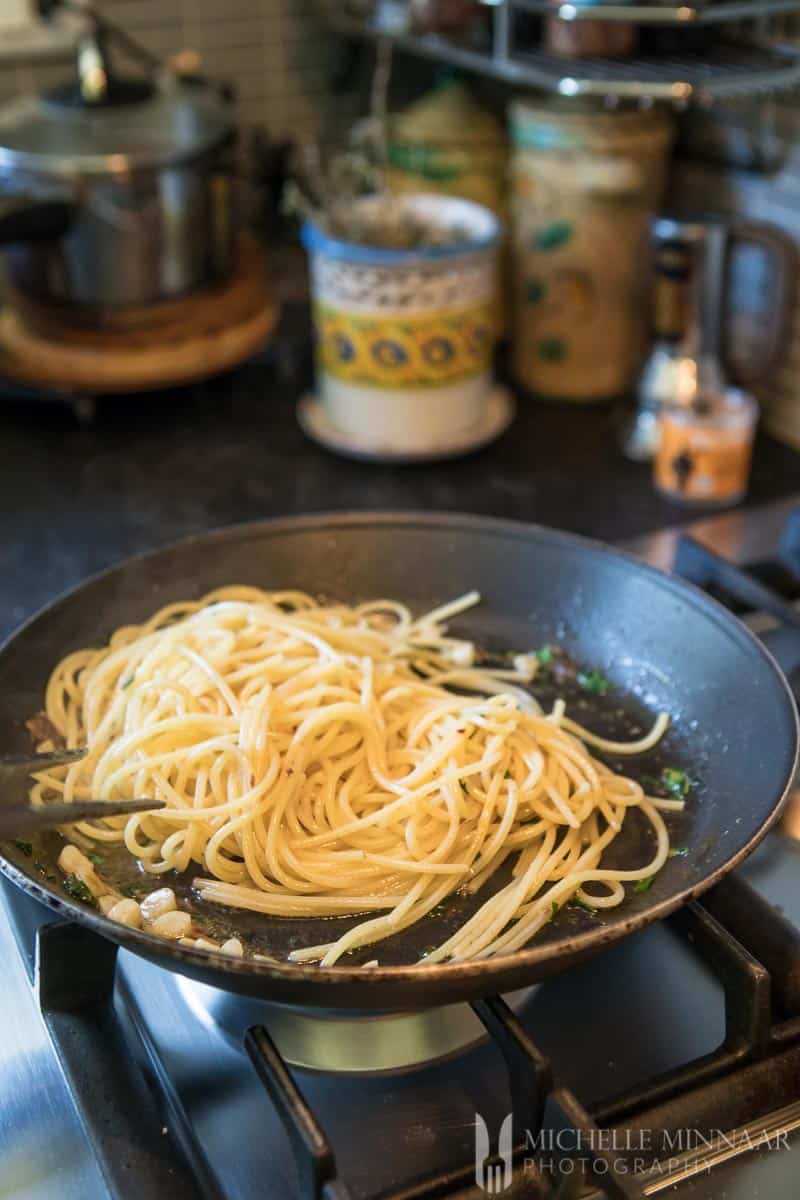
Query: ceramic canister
x,y
585,183
404,336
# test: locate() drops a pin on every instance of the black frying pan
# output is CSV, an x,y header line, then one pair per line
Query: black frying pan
x,y
662,643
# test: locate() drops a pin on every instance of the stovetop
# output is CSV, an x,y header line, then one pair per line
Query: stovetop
x,y
193,1118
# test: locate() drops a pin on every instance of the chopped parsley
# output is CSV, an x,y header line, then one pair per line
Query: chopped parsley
x,y
126,683
97,859
678,852
134,890
554,907
78,890
545,658
671,782
576,902
675,781
25,847
507,775
594,682
644,885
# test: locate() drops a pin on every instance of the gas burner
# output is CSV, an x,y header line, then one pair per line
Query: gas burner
x,y
346,1042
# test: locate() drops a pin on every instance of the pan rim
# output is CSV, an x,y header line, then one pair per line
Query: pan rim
x,y
485,969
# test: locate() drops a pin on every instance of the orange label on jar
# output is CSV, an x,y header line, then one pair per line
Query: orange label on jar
x,y
702,461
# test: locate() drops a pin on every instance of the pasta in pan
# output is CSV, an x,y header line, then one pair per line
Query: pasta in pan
x,y
322,759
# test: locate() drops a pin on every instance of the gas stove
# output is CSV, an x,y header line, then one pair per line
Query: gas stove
x,y
668,1064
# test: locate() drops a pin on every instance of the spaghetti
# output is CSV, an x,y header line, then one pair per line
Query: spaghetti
x,y
331,760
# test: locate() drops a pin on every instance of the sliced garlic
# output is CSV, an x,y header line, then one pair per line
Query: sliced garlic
x,y
462,654
158,903
204,944
72,862
172,925
126,912
233,947
526,665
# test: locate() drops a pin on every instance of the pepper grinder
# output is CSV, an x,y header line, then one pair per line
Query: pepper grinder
x,y
692,350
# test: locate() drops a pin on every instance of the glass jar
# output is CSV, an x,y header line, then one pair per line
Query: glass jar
x,y
585,184
705,450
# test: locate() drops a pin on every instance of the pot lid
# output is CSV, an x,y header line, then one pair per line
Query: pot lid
x,y
48,135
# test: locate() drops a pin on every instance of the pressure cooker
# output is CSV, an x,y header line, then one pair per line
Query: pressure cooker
x,y
124,200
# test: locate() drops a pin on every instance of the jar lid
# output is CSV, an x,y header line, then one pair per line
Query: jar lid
x,y
714,409
60,139
584,123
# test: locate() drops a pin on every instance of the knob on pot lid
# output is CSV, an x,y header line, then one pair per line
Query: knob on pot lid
x,y
56,136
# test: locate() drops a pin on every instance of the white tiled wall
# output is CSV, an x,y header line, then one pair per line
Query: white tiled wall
x,y
279,54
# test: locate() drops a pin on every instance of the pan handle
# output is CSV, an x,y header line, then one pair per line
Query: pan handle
x,y
26,218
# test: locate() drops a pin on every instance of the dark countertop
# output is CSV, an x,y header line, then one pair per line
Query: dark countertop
x,y
154,468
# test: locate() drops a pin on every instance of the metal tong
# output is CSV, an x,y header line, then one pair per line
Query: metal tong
x,y
19,817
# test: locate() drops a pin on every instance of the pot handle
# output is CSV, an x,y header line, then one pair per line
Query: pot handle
x,y
33,218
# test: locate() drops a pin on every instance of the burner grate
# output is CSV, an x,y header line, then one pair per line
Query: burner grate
x,y
146,1146
133,1120
741,591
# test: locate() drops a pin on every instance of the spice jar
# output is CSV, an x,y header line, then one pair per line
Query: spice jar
x,y
705,449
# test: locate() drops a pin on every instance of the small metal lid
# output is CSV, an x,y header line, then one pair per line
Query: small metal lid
x,y
684,229
62,141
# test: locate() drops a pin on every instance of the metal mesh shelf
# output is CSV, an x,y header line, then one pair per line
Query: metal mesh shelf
x,y
726,71
712,13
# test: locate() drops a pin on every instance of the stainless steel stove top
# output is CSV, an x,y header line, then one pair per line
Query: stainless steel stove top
x,y
646,1006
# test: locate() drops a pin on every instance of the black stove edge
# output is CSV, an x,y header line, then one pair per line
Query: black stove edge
x,y
130,1114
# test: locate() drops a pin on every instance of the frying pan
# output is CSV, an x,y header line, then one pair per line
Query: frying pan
x,y
661,643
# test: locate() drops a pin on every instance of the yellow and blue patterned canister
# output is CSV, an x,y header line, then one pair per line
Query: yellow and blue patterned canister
x,y
404,337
